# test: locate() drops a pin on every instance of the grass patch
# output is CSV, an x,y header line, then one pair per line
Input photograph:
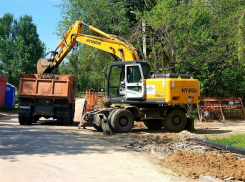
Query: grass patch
x,y
237,140
15,108
80,94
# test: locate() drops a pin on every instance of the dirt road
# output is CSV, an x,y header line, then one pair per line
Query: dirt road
x,y
45,152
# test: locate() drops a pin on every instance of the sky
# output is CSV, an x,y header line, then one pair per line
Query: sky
x,y
44,15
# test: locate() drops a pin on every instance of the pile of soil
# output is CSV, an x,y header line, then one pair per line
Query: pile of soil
x,y
139,125
101,103
48,76
190,159
195,164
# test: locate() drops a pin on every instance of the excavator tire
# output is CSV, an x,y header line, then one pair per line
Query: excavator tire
x,y
42,65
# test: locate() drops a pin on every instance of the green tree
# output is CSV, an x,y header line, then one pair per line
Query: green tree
x,y
200,37
108,16
20,47
8,36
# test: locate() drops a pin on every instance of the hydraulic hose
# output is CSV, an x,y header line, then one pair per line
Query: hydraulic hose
x,y
218,145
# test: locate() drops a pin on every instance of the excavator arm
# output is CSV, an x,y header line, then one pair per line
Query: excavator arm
x,y
109,43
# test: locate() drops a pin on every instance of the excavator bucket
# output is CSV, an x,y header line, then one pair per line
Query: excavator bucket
x,y
42,66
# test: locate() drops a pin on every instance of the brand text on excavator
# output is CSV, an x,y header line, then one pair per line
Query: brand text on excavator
x,y
93,42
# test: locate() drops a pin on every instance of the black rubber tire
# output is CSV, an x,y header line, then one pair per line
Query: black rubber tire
x,y
35,119
98,128
122,121
176,120
28,120
21,120
153,124
66,120
71,115
109,119
59,121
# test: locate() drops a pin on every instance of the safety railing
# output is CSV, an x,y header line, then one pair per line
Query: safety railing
x,y
220,108
90,100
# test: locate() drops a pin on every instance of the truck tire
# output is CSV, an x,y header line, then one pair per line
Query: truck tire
x,y
153,124
109,118
122,121
35,119
28,120
66,120
176,120
71,115
22,120
59,121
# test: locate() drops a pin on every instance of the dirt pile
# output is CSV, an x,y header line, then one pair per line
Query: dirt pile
x,y
101,103
48,76
139,125
189,158
195,164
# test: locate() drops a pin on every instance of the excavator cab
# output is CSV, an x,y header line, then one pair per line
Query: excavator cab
x,y
126,80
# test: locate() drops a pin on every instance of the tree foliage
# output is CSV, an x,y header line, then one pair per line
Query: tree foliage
x,y
20,47
108,16
204,38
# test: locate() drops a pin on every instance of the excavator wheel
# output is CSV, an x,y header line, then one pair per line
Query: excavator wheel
x,y
42,66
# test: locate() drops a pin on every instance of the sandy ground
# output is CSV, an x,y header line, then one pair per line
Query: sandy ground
x,y
45,152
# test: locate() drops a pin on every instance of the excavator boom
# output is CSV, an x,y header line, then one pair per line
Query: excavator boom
x,y
109,43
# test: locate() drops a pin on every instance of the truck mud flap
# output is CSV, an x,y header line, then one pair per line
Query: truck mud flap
x,y
25,111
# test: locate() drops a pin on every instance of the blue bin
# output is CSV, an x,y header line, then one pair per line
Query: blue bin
x,y
9,96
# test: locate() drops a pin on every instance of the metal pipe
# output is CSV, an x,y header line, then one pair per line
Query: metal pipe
x,y
218,145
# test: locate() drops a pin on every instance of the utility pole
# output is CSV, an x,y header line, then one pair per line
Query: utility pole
x,y
143,38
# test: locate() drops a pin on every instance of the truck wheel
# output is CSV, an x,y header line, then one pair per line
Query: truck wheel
x,y
66,120
176,120
71,115
59,121
22,120
35,119
28,120
153,124
98,128
122,121
109,118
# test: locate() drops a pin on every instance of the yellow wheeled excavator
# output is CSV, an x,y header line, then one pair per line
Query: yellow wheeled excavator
x,y
155,99
111,43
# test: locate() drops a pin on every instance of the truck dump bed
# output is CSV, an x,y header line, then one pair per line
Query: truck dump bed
x,y
56,87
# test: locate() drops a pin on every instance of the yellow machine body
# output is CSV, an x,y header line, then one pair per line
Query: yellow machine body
x,y
173,90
